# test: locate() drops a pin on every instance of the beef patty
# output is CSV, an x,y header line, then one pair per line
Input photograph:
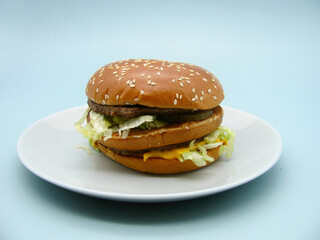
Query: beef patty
x,y
137,110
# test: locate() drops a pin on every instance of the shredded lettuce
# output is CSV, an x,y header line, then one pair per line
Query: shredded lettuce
x,y
229,136
195,156
136,122
102,126
223,137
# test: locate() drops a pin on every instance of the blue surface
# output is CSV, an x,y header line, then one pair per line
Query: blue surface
x,y
266,54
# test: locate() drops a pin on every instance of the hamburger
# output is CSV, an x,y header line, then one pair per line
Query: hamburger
x,y
156,116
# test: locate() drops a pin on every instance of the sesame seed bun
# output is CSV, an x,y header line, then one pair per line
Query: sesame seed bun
x,y
157,165
155,83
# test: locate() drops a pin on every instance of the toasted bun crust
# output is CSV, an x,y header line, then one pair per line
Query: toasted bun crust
x,y
156,165
155,83
171,134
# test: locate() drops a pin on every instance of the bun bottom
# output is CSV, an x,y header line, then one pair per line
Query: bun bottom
x,y
156,165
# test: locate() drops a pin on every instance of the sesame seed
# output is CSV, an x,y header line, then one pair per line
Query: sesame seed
x,y
186,127
193,90
193,99
181,84
100,74
120,78
191,74
136,99
142,92
158,73
191,70
198,73
188,81
106,96
115,72
173,80
103,101
117,97
133,81
117,75
177,95
97,90
149,82
153,84
132,85
101,80
128,82
102,70
209,90
215,98
204,79
149,77
180,96
196,96
123,73
213,80
178,70
215,86
142,75
202,93
201,98
175,102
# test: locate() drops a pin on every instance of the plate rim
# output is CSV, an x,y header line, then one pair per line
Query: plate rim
x,y
148,197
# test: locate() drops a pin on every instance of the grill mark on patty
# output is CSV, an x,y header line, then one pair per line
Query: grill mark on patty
x,y
136,110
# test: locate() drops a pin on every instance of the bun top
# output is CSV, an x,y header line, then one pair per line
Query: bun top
x,y
155,83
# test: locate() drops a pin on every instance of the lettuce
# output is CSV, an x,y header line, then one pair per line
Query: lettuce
x,y
102,126
135,122
228,135
223,137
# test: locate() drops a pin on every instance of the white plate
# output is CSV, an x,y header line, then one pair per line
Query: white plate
x,y
48,149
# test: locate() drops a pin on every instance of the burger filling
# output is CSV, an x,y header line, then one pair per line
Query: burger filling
x,y
121,119
195,150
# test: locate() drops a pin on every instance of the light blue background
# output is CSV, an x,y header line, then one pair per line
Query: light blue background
x,y
267,56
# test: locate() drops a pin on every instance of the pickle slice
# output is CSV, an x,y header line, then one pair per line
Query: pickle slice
x,y
197,116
